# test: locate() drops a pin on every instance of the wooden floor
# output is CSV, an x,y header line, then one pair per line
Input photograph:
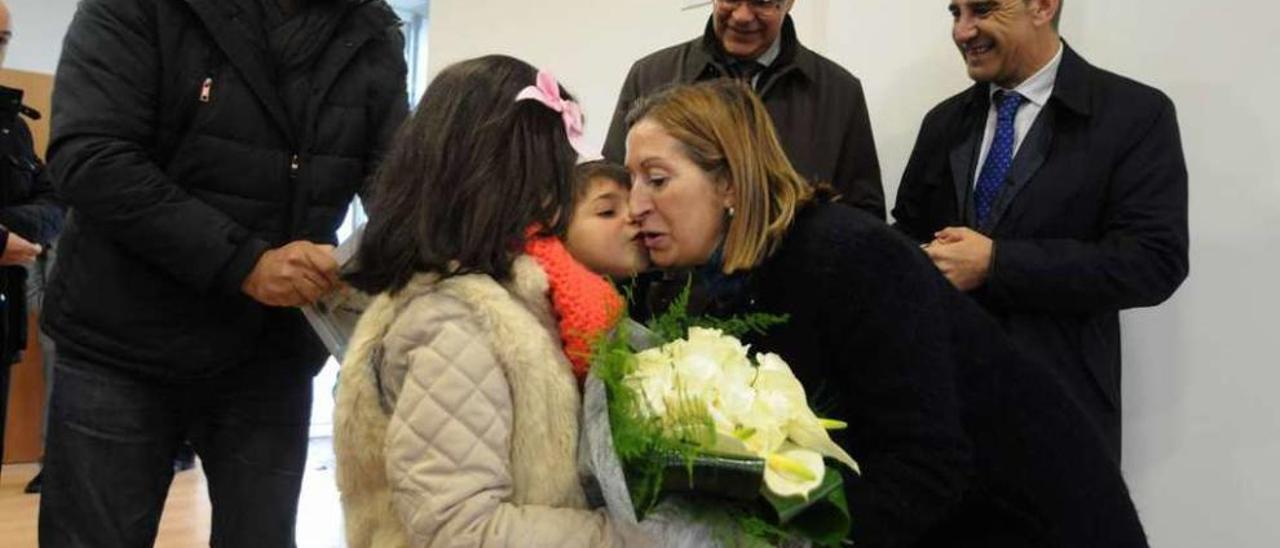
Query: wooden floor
x,y
185,523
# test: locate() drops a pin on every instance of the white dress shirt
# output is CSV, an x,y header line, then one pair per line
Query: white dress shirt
x,y
767,58
1037,89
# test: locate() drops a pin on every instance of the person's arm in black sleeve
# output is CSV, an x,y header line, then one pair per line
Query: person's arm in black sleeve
x,y
39,217
615,144
857,176
909,213
1140,259
104,130
889,325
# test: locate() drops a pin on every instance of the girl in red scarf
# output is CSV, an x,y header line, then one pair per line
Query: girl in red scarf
x,y
601,239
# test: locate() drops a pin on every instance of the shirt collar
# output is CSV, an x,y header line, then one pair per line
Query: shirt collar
x,y
1039,87
770,55
707,52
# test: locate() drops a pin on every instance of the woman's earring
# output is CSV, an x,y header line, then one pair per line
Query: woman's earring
x,y
730,211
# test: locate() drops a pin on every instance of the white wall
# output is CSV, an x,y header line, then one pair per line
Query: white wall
x,y
1203,417
39,26
587,44
1202,381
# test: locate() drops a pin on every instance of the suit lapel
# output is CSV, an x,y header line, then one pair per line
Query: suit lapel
x,y
1031,156
1070,99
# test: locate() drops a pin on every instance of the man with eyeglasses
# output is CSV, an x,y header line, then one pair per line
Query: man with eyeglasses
x,y
818,106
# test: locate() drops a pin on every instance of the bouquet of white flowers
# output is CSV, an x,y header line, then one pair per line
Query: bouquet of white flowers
x,y
690,413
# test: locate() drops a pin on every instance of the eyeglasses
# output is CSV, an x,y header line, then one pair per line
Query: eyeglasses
x,y
758,6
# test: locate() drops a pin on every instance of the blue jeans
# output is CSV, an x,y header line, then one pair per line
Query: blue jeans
x,y
111,443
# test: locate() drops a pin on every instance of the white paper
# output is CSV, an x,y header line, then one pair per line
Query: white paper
x,y
334,316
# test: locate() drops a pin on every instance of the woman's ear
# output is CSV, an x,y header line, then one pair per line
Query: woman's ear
x,y
728,193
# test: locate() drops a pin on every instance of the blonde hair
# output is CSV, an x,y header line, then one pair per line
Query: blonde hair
x,y
727,132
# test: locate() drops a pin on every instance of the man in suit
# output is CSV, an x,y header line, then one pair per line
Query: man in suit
x,y
817,106
1053,192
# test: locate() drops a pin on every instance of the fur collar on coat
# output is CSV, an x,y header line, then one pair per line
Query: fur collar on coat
x,y
521,329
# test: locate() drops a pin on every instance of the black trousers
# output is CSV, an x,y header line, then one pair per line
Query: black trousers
x,y
111,443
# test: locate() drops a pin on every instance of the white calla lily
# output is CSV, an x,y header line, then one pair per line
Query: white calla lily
x,y
808,432
757,410
832,424
794,471
729,443
765,439
768,361
775,377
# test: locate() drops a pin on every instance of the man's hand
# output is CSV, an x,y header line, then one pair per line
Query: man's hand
x,y
963,255
297,274
18,251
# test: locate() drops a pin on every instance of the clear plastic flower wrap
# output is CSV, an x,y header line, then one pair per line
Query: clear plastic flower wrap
x,y
681,416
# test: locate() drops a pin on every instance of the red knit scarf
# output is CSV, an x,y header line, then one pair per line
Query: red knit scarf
x,y
585,303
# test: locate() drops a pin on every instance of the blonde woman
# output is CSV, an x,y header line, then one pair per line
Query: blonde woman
x,y
961,441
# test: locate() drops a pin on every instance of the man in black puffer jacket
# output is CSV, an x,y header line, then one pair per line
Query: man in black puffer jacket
x,y
208,150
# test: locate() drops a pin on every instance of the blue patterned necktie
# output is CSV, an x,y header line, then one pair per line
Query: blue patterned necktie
x,y
999,157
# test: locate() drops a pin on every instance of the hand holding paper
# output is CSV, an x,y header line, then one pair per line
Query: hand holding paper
x,y
297,274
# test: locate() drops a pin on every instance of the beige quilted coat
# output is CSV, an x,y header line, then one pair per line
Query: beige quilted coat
x,y
457,421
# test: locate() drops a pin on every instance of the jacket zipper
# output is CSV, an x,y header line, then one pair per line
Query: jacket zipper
x,y
291,217
206,90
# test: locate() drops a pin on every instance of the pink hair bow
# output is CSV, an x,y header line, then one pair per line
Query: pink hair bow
x,y
547,92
